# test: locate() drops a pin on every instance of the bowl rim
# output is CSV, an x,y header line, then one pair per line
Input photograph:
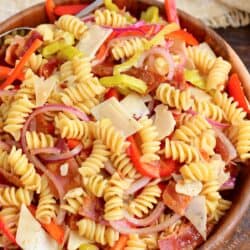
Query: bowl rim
x,y
233,217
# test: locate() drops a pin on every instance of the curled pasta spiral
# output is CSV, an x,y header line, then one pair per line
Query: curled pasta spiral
x,y
222,207
10,216
198,171
18,112
150,145
111,137
26,171
183,118
39,140
191,129
124,166
11,196
218,75
87,105
4,164
209,110
145,201
243,141
181,151
95,162
96,184
151,240
47,31
201,59
110,18
46,209
232,112
210,191
97,232
173,97
35,62
127,48
73,25
135,243
113,197
66,71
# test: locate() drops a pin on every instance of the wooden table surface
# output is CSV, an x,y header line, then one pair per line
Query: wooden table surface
x,y
239,39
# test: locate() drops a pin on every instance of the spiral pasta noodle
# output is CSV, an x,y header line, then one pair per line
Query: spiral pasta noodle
x,y
181,151
208,109
151,240
222,207
145,201
218,75
243,141
233,113
73,25
87,105
135,243
25,170
95,162
4,164
47,31
46,209
173,97
18,112
11,196
35,62
191,129
111,137
127,48
113,197
150,144
97,232
39,140
110,18
96,184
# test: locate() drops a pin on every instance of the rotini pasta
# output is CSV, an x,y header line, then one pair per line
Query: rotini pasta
x,y
39,140
135,243
243,141
222,207
95,184
47,31
4,164
35,62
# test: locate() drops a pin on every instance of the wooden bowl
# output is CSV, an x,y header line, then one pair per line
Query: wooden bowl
x,y
241,195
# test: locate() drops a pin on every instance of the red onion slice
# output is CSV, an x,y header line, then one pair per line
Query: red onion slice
x,y
119,226
137,185
52,150
148,220
229,184
109,168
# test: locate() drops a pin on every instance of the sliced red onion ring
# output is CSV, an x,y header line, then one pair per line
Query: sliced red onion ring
x,y
88,18
61,215
137,185
119,226
51,150
64,156
229,184
128,28
148,220
109,168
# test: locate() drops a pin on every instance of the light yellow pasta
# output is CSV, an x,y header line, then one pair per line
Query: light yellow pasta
x,y
233,113
46,209
26,171
150,145
173,97
87,105
222,207
151,240
10,216
73,25
4,164
218,75
135,243
110,18
243,141
181,151
47,31
95,184
39,140
35,62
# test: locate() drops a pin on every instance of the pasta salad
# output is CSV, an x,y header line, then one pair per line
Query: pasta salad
x,y
117,131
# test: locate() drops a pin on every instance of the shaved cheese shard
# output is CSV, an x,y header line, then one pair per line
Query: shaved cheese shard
x,y
206,47
196,213
199,94
164,121
147,98
30,234
91,43
119,116
43,88
135,105
75,241
190,188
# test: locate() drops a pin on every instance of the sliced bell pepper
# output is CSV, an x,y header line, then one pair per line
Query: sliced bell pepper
x,y
183,35
151,15
171,11
49,7
235,90
19,67
88,247
120,244
71,9
6,232
168,167
194,77
144,169
69,52
112,92
72,143
126,81
6,71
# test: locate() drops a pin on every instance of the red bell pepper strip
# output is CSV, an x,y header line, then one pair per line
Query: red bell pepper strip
x,y
6,232
171,11
112,92
6,71
120,244
168,167
71,9
72,143
135,155
18,69
50,6
235,90
183,35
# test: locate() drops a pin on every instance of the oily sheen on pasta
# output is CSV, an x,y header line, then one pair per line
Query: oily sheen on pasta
x,y
114,129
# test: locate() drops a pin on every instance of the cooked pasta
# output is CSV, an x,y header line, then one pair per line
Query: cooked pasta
x,y
243,141
96,185
4,164
73,25
87,105
39,140
110,18
233,113
47,31
135,243
173,97
35,62
222,207
151,240
46,209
